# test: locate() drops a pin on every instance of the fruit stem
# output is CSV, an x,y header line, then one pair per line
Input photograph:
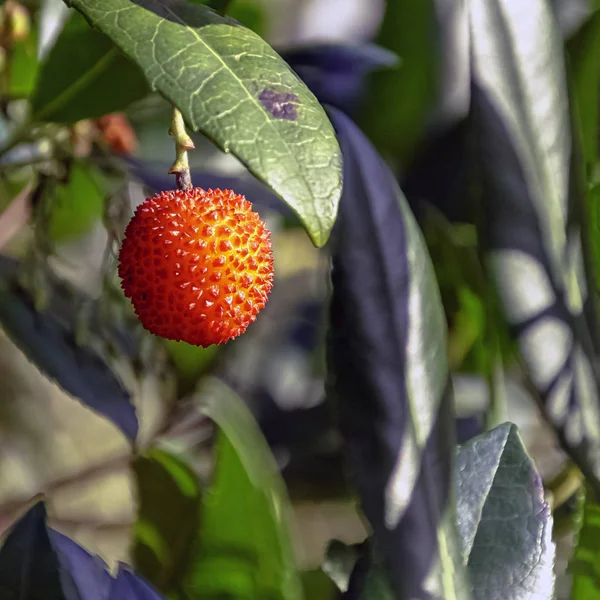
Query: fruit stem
x,y
183,143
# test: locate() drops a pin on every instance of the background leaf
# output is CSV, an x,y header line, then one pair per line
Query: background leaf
x,y
398,100
24,66
584,54
48,340
164,538
84,77
245,547
585,562
389,376
532,232
76,205
233,87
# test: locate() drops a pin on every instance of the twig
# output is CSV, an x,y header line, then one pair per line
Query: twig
x,y
564,485
183,143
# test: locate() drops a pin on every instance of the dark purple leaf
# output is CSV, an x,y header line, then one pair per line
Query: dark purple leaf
x,y
39,563
48,340
28,568
335,73
85,577
389,376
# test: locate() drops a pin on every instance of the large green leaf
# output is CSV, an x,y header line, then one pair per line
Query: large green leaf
x,y
164,538
84,77
233,87
245,548
505,525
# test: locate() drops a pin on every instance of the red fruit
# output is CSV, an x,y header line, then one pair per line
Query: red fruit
x,y
197,265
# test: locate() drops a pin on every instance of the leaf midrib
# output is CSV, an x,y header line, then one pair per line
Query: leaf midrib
x,y
80,83
232,73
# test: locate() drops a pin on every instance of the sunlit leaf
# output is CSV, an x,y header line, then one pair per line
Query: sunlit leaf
x,y
504,522
389,376
532,233
233,87
245,547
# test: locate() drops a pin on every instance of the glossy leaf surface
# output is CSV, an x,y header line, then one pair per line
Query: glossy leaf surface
x,y
504,522
532,233
389,376
245,548
233,87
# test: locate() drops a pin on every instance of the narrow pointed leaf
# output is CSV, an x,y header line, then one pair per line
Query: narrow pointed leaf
x,y
532,228
39,563
28,568
233,87
389,376
245,549
48,339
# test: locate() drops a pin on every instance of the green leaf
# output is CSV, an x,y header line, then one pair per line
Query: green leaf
x,y
234,88
190,361
76,205
85,77
23,66
594,225
164,538
504,521
400,100
245,548
584,54
249,14
585,563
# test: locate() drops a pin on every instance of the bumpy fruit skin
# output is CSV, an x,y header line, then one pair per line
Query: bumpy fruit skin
x,y
197,265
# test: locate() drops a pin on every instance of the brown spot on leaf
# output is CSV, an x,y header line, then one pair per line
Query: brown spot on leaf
x,y
280,105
